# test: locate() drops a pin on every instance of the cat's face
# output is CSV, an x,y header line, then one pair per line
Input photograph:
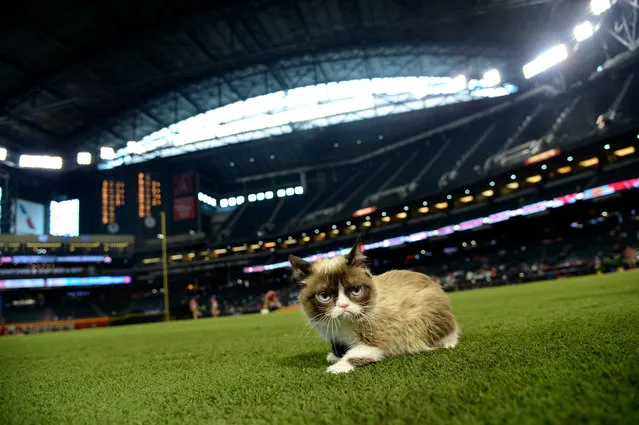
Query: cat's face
x,y
336,288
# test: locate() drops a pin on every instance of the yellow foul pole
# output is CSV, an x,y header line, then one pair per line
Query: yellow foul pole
x,y
165,271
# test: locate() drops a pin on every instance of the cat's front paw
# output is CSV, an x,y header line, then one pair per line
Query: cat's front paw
x,y
340,367
332,358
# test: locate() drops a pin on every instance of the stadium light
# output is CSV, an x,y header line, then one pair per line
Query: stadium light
x,y
232,201
546,60
625,151
583,31
290,191
260,196
491,78
40,161
597,7
252,197
208,200
240,200
299,190
135,147
84,158
107,153
224,203
3,154
268,194
281,193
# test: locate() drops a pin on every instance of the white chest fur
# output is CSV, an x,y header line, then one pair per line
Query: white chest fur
x,y
338,330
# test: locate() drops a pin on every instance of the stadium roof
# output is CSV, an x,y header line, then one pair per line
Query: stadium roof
x,y
77,75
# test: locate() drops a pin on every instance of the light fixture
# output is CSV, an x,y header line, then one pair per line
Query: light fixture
x,y
405,208
84,158
449,197
488,193
467,192
401,215
492,184
260,196
268,194
333,227
366,224
513,177
252,197
232,201
546,60
583,31
384,214
290,191
425,203
240,200
625,151
589,162
107,153
224,203
512,185
386,219
40,161
134,147
423,210
466,199
569,159
544,166
281,193
491,78
299,190
441,205
534,179
564,170
597,7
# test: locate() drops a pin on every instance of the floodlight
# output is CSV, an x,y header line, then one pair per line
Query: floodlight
x,y
224,203
40,161
252,197
491,78
260,196
3,154
240,200
232,201
84,158
268,194
290,191
299,190
281,193
107,152
546,60
583,31
597,7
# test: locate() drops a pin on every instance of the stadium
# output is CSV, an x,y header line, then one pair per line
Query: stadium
x,y
162,164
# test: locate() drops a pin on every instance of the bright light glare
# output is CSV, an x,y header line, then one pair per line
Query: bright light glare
x,y
268,194
260,196
299,190
290,191
583,31
64,218
308,107
107,152
40,161
597,7
3,154
491,78
224,203
84,158
281,193
546,60
252,197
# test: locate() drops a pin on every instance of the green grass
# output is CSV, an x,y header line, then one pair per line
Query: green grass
x,y
554,352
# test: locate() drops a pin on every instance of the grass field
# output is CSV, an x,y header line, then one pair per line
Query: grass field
x,y
554,352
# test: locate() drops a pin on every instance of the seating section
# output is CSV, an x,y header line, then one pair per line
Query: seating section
x,y
448,159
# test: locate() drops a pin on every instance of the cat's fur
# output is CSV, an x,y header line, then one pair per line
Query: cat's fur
x,y
398,312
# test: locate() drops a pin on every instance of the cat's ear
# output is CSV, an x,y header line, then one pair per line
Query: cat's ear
x,y
301,267
355,258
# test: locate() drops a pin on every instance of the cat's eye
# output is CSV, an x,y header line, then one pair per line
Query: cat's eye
x,y
323,297
356,291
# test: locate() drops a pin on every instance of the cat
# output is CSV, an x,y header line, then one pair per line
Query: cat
x,y
369,318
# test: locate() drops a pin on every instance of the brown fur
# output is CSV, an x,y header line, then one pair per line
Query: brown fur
x,y
402,312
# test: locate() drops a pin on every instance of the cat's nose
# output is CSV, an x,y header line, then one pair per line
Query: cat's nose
x,y
343,306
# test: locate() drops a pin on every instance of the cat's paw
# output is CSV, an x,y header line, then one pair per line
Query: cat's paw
x,y
340,367
332,358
